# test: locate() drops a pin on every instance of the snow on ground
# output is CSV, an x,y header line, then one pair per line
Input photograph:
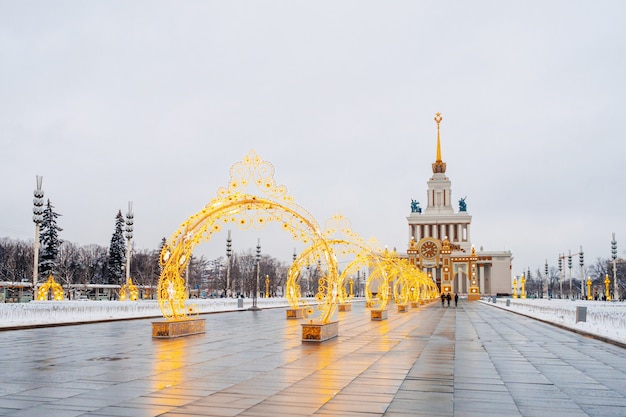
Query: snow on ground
x,y
53,312
604,318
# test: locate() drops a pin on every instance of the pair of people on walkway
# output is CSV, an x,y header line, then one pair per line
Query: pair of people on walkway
x,y
448,298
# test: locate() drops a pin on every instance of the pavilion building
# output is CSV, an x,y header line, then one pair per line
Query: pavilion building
x,y
440,242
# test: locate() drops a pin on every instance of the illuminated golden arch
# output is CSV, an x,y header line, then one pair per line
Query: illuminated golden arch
x,y
409,282
57,291
338,235
232,205
129,291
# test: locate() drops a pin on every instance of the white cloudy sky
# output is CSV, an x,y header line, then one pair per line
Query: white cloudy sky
x,y
153,101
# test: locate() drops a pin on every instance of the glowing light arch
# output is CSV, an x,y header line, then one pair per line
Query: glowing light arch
x,y
50,285
338,235
244,210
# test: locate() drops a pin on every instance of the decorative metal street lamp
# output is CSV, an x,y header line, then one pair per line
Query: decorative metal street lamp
x,y
569,265
614,256
547,281
589,297
257,264
129,291
607,281
229,252
129,236
581,262
37,218
514,287
560,276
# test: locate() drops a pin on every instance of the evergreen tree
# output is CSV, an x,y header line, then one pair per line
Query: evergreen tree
x,y
49,240
117,253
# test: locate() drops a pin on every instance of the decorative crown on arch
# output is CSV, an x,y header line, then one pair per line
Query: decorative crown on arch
x,y
253,169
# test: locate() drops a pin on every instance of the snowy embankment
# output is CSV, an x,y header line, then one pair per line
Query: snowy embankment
x,y
61,312
604,318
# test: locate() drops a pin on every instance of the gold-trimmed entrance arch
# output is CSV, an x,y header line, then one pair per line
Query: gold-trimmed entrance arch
x,y
233,205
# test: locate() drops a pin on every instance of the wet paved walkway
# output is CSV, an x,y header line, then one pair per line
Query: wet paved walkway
x,y
476,360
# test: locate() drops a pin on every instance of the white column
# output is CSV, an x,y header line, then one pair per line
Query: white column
x,y
481,275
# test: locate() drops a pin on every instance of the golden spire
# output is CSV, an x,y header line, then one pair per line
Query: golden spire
x,y
439,166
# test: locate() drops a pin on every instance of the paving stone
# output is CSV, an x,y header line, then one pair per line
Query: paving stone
x,y
475,360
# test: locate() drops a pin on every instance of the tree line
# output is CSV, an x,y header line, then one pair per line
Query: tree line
x,y
71,263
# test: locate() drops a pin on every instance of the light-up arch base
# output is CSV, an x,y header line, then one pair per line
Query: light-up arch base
x,y
319,332
178,328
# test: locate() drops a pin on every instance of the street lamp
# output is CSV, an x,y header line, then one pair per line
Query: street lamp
x,y
129,235
229,252
560,276
569,265
581,262
547,281
257,263
37,218
614,256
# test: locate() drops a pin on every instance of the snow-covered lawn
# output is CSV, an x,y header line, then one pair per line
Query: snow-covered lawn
x,y
50,312
604,318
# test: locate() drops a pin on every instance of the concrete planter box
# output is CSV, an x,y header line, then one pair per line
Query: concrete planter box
x,y
403,308
177,328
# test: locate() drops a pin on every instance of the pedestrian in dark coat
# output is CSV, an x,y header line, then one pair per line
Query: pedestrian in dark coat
x,y
448,297
456,299
443,299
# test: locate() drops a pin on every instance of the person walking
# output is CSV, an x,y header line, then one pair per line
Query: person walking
x,y
456,300
443,299
448,297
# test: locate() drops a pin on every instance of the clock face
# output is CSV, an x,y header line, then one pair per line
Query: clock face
x,y
428,249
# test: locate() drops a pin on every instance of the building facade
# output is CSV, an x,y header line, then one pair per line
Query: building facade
x,y
440,241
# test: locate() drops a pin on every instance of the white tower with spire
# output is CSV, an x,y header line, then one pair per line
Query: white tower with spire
x,y
440,242
439,219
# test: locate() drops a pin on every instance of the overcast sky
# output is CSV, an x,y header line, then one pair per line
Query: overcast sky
x,y
153,101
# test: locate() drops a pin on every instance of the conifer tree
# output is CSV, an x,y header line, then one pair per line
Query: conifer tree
x,y
49,240
117,252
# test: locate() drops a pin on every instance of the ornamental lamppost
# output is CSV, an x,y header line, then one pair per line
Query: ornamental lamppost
x,y
581,262
523,293
267,286
514,287
560,276
257,264
614,256
589,297
37,218
547,281
229,252
129,236
607,281
569,265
